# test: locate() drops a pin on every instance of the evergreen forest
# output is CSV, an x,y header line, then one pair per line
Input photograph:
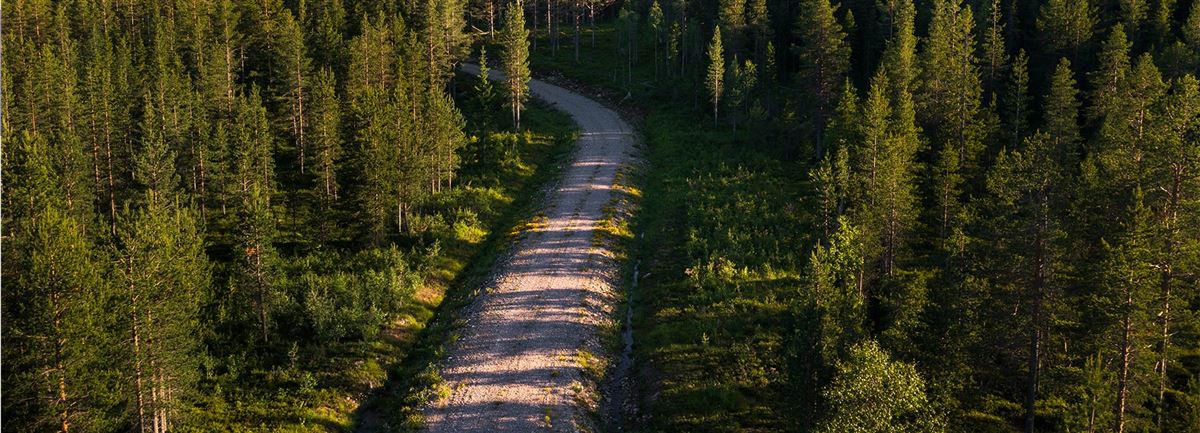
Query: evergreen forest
x,y
852,216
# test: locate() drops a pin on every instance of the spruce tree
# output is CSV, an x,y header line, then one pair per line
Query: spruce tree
x,y
516,60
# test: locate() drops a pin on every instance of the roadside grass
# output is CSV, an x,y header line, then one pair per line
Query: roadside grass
x,y
725,230
543,148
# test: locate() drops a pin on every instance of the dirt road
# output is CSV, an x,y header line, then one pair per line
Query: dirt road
x,y
518,365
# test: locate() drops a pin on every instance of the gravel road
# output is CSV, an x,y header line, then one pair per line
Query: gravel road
x,y
517,365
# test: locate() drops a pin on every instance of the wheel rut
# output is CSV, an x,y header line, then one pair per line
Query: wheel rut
x,y
518,365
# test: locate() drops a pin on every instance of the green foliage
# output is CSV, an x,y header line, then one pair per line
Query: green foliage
x,y
1065,25
871,393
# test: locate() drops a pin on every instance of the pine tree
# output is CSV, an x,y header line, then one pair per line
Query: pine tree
x,y
759,20
291,74
1107,77
218,77
325,119
1175,154
324,33
897,178
1061,115
516,60
900,55
445,133
949,98
731,18
1066,25
656,22
715,80
995,55
1030,188
1126,303
483,85
1133,13
1191,28
835,293
164,271
824,60
105,119
255,171
1016,101
52,300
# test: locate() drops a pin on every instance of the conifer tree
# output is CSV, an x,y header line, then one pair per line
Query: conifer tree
x,y
106,118
218,77
1106,79
446,137
164,271
1191,28
656,22
255,171
1127,305
995,55
900,55
1175,155
1061,115
483,85
1016,101
950,101
1030,187
324,33
897,179
516,60
824,60
326,120
52,299
715,80
291,76
731,17
1066,25
836,292
759,21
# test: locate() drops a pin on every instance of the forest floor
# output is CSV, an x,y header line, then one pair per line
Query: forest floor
x,y
526,358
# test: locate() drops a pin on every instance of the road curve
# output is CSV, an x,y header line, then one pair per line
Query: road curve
x,y
516,366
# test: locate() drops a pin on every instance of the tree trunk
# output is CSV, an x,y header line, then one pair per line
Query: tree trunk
x,y
139,385
1126,357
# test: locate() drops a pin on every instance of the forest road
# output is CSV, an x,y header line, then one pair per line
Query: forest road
x,y
518,364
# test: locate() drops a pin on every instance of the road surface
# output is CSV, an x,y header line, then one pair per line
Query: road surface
x,y
517,366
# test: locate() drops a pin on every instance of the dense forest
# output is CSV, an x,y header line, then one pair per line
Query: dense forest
x,y
860,216
938,215
216,211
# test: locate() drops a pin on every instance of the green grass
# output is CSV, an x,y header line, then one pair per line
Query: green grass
x,y
722,213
